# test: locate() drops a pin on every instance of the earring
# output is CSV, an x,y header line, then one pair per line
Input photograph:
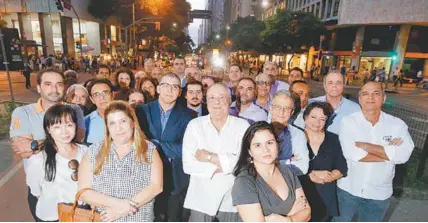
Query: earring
x,y
250,159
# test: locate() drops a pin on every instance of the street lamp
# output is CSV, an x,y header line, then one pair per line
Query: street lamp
x,y
217,36
174,24
227,27
265,3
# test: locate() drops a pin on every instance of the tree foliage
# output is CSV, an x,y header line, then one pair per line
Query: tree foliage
x,y
245,34
292,32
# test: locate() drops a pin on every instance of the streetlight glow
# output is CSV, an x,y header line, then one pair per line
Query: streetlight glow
x,y
227,27
265,3
217,36
174,24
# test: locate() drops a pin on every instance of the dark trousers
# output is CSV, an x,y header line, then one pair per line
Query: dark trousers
x,y
169,207
27,79
32,202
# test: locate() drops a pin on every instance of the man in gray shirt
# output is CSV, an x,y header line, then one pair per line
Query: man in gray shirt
x,y
26,128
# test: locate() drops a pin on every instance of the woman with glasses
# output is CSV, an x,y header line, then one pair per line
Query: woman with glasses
x,y
53,176
327,163
264,84
264,190
124,171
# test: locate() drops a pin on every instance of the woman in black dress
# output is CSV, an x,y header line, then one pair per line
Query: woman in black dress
x,y
326,164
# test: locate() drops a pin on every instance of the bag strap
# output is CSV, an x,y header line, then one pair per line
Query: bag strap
x,y
79,193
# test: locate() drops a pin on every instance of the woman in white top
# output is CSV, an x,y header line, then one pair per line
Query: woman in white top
x,y
53,173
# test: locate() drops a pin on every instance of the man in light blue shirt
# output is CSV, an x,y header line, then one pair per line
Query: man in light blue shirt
x,y
334,85
244,107
101,95
271,69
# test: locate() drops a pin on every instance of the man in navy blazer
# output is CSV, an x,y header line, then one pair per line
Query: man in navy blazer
x,y
164,122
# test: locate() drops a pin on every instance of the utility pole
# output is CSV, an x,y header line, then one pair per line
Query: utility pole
x,y
6,64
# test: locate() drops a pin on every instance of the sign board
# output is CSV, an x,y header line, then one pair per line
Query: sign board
x,y
13,50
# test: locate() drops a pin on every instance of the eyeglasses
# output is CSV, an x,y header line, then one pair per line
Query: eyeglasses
x,y
74,165
101,94
267,83
174,87
279,108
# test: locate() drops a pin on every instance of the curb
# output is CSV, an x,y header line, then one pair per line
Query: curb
x,y
410,193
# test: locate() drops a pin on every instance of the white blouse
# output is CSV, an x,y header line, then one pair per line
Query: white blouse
x,y
62,189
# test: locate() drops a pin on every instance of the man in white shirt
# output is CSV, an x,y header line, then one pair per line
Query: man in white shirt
x,y
373,142
244,106
291,140
211,147
334,85
271,69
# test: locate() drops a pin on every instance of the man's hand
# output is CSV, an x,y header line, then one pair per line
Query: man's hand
x,y
362,145
21,145
201,155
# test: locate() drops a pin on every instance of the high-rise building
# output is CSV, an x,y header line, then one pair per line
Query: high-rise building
x,y
245,8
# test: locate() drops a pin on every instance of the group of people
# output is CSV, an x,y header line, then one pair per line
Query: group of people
x,y
187,145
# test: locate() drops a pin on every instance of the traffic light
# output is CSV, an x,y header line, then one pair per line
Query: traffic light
x,y
157,26
59,5
78,45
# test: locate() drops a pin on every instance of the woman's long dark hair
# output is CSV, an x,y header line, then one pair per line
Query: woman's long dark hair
x,y
54,115
244,161
131,77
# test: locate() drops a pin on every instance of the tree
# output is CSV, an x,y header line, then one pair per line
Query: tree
x,y
292,32
245,34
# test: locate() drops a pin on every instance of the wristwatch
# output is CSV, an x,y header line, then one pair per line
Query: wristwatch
x,y
34,145
209,157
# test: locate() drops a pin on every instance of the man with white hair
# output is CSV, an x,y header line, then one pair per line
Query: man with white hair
x,y
293,149
271,69
334,85
211,147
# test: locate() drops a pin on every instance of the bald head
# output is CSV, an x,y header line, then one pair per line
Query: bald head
x,y
218,88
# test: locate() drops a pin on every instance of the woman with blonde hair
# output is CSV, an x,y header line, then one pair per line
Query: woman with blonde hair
x,y
124,171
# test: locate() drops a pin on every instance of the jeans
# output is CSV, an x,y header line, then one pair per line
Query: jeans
x,y
32,203
367,209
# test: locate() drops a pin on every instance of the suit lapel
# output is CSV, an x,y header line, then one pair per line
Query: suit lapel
x,y
156,119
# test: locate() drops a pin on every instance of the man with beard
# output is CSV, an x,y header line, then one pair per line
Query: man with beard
x,y
26,127
193,73
101,94
194,96
244,107
218,74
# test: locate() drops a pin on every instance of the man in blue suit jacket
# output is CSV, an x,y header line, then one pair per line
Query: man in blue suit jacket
x,y
164,122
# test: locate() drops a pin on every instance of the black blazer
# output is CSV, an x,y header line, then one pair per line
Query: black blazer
x,y
169,142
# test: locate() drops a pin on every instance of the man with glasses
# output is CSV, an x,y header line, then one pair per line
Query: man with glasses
x,y
244,106
264,84
271,69
211,146
334,85
164,122
293,150
100,91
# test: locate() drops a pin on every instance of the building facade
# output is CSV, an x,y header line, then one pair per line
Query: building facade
x,y
45,30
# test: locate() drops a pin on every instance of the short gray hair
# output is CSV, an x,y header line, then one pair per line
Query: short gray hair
x,y
73,87
171,75
258,76
333,72
269,62
286,94
224,87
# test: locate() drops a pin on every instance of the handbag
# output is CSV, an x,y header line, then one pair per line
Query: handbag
x,y
72,213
